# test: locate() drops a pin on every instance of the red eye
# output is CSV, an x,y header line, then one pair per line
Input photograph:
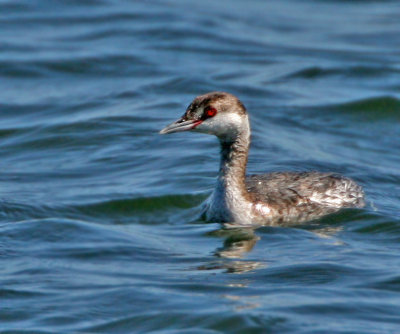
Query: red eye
x,y
210,112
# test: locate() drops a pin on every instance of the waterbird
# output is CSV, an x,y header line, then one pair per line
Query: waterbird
x,y
272,199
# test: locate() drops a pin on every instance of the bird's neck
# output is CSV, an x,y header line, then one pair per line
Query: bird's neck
x,y
232,171
233,162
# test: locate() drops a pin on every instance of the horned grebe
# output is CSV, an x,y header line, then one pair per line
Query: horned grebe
x,y
268,199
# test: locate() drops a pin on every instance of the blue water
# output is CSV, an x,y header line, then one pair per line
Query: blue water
x,y
100,228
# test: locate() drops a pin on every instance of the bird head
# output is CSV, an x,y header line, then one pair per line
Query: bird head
x,y
216,113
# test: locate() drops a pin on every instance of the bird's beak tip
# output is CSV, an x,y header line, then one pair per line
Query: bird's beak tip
x,y
178,126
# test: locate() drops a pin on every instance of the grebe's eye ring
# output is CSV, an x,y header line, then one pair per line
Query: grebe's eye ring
x,y
209,112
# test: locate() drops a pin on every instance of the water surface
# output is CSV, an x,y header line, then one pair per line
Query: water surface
x,y
99,215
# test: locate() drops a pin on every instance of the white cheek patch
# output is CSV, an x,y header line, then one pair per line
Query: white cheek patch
x,y
222,124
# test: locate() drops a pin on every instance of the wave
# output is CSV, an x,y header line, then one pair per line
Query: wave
x,y
315,72
144,204
374,107
129,208
368,109
120,64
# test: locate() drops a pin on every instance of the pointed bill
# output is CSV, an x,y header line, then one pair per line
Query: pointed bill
x,y
179,126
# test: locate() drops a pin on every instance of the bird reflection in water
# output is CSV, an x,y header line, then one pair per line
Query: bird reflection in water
x,y
240,241
237,243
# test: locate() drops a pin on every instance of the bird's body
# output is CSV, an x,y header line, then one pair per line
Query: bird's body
x,y
268,199
287,197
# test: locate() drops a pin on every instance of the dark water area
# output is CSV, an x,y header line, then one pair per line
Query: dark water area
x,y
100,228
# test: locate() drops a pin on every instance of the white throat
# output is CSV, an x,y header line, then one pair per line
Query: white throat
x,y
230,201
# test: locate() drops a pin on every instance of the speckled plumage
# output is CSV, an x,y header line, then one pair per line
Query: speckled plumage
x,y
299,197
268,199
